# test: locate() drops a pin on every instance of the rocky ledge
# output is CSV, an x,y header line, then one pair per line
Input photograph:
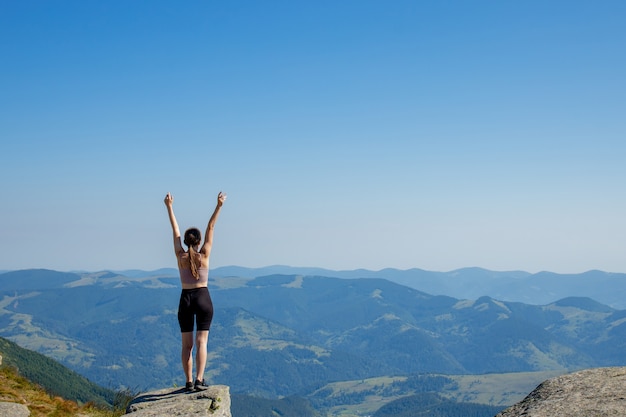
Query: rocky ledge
x,y
213,402
599,392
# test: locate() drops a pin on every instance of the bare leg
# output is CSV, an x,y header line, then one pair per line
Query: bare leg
x,y
202,338
185,355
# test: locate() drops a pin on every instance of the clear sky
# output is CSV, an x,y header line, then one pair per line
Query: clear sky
x,y
347,134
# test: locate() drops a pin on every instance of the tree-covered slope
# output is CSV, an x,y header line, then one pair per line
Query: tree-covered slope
x,y
55,378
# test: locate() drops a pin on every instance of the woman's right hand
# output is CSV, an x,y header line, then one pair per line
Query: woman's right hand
x,y
221,197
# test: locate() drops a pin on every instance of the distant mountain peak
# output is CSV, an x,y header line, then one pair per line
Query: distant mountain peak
x,y
583,303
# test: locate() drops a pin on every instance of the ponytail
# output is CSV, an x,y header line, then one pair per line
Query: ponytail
x,y
192,239
192,262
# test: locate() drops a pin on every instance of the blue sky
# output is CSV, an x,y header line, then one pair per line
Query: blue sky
x,y
347,134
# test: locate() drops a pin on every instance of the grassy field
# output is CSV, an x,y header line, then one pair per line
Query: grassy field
x,y
370,403
497,389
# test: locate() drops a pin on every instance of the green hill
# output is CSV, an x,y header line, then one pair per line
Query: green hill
x,y
433,405
245,405
49,379
14,388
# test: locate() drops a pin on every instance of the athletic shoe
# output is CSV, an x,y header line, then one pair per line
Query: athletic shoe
x,y
189,387
200,385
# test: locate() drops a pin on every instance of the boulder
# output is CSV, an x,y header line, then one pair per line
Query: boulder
x,y
214,402
598,392
13,410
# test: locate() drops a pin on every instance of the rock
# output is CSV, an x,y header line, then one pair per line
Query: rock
x,y
595,392
13,410
214,402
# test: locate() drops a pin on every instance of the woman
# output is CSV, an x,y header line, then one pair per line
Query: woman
x,y
195,300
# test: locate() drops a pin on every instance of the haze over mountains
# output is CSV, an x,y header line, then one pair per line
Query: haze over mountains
x,y
468,283
282,334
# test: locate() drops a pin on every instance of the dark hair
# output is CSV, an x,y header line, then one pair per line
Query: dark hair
x,y
192,239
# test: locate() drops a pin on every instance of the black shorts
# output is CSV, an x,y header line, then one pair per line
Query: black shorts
x,y
195,303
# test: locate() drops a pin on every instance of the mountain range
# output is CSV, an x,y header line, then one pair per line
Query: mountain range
x,y
281,334
471,283
467,283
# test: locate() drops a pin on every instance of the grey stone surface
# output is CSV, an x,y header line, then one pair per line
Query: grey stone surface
x,y
598,392
213,402
13,410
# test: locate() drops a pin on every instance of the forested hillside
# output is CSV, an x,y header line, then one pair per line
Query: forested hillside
x,y
47,388
55,378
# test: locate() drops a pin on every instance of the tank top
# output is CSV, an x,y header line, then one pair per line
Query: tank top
x,y
186,277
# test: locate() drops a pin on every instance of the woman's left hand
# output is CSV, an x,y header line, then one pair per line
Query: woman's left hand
x,y
169,200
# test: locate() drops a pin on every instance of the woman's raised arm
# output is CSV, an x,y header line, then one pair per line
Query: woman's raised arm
x,y
208,235
169,203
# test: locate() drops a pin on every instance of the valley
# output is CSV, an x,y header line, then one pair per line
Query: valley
x,y
347,345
